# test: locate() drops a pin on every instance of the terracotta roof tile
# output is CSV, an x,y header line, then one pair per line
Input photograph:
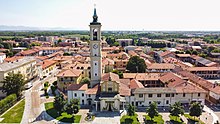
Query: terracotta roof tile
x,y
110,75
135,84
70,73
74,87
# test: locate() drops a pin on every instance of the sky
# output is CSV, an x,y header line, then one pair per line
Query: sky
x,y
147,15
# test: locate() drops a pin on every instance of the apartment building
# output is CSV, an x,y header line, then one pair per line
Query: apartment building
x,y
26,66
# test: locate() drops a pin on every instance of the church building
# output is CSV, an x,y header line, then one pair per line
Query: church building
x,y
108,92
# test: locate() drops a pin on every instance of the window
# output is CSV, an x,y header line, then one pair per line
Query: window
x,y
75,94
95,64
95,55
158,102
89,95
167,95
150,95
82,94
109,89
198,94
158,95
167,102
61,79
149,102
83,102
172,95
184,94
71,79
141,95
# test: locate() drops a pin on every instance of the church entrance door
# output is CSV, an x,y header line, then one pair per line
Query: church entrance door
x,y
109,107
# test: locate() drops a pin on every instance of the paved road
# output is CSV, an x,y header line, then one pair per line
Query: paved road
x,y
33,111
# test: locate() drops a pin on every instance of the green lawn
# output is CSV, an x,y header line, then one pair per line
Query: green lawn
x,y
192,119
156,120
15,114
129,119
175,119
64,117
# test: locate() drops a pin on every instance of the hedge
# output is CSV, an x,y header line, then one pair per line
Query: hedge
x,y
7,102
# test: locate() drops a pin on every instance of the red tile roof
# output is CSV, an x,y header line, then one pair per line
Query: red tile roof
x,y
111,76
74,87
135,84
70,73
93,90
47,63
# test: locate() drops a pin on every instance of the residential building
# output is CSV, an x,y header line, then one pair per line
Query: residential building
x,y
206,72
26,66
67,77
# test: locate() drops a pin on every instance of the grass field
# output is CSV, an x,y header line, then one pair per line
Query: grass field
x,y
15,114
64,117
193,119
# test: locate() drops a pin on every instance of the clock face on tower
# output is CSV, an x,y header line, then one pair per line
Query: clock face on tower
x,y
95,46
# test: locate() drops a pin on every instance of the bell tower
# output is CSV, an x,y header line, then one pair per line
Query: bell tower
x,y
95,50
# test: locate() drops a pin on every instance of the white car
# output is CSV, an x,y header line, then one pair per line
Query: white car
x,y
28,85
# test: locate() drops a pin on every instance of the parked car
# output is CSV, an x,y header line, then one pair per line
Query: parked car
x,y
28,85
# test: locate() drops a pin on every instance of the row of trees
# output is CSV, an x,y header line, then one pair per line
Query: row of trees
x,y
175,110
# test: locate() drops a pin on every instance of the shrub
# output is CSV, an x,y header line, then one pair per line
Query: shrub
x,y
53,89
7,102
46,84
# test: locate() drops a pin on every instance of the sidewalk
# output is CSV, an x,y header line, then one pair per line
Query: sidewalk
x,y
211,112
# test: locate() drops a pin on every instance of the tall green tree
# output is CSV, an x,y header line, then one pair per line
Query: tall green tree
x,y
59,103
136,64
176,109
131,110
195,109
152,110
13,83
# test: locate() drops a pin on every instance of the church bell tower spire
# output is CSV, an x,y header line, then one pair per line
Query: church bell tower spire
x,y
95,50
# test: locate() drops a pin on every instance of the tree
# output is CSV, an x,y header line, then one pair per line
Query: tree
x,y
176,109
136,64
13,83
131,110
152,110
195,109
119,73
59,103
85,80
72,107
59,41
